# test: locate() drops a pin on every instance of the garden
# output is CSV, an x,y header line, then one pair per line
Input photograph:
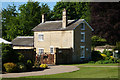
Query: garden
x,y
15,62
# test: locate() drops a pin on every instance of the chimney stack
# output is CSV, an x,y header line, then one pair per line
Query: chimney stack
x,y
43,18
64,19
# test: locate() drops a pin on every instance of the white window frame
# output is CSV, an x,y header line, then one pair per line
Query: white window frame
x,y
39,50
83,52
83,25
83,40
41,38
50,50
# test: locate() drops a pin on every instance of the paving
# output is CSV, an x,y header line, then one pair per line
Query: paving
x,y
53,70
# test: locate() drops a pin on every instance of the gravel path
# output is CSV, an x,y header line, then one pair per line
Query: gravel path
x,y
53,70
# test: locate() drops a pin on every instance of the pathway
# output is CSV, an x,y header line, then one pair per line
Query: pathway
x,y
53,70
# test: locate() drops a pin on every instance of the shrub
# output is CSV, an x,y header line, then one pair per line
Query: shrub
x,y
110,60
99,62
44,66
29,65
96,56
21,67
10,67
91,62
21,57
118,61
105,62
107,58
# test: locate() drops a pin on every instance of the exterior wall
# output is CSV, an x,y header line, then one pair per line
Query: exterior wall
x,y
78,43
60,39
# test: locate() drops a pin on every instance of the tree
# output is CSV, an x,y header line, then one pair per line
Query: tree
x,y
97,41
29,16
75,10
105,20
8,54
8,21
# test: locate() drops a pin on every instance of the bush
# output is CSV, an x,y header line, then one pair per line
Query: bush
x,y
118,61
29,65
21,57
44,66
8,54
99,62
21,67
105,62
92,62
96,56
10,67
111,60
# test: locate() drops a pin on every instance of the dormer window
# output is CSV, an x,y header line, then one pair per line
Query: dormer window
x,y
40,37
83,26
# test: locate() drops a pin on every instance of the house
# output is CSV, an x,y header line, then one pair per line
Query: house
x,y
63,41
57,42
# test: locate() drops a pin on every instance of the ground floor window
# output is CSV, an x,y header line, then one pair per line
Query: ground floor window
x,y
51,49
82,51
41,51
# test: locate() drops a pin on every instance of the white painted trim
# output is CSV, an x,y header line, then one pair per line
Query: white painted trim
x,y
88,25
84,36
50,49
83,20
40,48
84,51
40,34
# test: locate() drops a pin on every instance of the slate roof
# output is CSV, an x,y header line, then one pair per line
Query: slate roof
x,y
57,25
23,41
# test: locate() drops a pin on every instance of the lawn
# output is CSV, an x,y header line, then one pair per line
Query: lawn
x,y
90,64
85,72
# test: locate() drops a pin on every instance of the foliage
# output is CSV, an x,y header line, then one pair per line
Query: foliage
x,y
91,62
21,57
105,20
9,22
96,55
8,54
10,67
44,66
75,10
16,24
21,67
107,53
29,65
103,55
97,41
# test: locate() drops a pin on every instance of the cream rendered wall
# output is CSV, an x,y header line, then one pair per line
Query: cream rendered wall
x,y
60,39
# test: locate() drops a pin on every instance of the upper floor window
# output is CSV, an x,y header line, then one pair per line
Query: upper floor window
x,y
83,26
52,50
82,36
41,51
40,37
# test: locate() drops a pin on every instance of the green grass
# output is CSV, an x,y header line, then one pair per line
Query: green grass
x,y
85,72
90,64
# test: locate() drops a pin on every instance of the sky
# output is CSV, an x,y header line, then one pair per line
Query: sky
x,y
17,4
